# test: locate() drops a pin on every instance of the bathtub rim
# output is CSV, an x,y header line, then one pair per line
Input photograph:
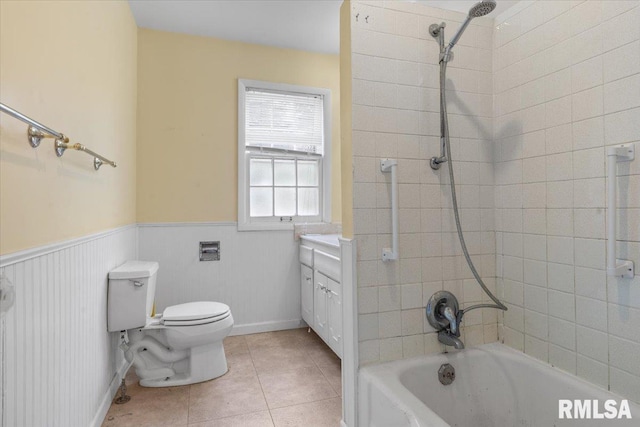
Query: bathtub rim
x,y
386,376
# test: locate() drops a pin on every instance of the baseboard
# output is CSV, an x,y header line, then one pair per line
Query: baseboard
x,y
343,424
105,404
278,325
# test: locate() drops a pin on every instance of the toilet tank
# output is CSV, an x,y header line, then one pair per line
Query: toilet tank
x,y
132,290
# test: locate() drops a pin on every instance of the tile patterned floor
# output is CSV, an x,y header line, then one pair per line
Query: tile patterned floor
x,y
275,379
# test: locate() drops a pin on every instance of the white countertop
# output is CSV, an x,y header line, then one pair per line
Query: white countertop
x,y
323,239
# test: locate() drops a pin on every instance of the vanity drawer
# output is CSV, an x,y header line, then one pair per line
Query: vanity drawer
x,y
328,265
306,255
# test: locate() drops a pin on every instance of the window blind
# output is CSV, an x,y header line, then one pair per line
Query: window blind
x,y
287,121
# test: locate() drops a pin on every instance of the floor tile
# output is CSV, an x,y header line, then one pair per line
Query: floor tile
x,y
294,387
293,372
237,392
325,413
235,345
321,354
150,407
256,419
271,360
333,374
292,338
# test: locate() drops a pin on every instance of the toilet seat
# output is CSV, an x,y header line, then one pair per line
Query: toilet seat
x,y
195,313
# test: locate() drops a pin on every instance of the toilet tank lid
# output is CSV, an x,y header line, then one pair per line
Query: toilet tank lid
x,y
134,270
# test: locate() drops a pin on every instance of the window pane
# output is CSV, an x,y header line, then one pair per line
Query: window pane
x,y
285,173
308,201
260,172
285,202
261,201
307,173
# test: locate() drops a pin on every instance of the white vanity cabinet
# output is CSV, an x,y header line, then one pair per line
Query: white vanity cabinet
x,y
320,287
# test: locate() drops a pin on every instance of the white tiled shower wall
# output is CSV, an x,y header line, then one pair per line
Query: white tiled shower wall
x,y
567,84
396,115
561,82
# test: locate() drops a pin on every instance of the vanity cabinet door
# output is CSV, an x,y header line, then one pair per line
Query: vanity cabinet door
x,y
320,305
334,316
306,288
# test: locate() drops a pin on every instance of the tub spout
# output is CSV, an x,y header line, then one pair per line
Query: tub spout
x,y
447,338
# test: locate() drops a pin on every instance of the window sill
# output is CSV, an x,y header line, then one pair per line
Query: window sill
x,y
265,226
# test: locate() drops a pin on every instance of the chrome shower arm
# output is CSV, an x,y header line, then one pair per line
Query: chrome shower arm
x,y
457,36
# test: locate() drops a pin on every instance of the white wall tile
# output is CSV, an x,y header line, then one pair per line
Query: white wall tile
x,y
622,62
560,222
592,371
586,45
562,358
589,193
593,344
589,223
389,324
585,16
559,167
625,384
536,324
560,277
588,133
562,305
589,253
587,104
535,272
623,355
622,94
559,111
622,127
587,74
368,328
591,313
562,333
623,321
560,194
591,283
627,29
588,163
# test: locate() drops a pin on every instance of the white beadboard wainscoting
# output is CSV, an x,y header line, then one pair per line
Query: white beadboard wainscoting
x,y
258,275
60,366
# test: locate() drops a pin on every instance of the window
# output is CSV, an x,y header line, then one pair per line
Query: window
x,y
283,155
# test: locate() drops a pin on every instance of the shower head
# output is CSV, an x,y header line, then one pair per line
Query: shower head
x,y
479,9
482,8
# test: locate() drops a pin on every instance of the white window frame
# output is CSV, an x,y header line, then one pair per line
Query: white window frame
x,y
245,222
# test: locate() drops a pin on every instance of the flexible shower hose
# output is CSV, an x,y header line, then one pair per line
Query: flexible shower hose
x,y
445,131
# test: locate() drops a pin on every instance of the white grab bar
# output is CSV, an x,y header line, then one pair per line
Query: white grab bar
x,y
386,165
616,267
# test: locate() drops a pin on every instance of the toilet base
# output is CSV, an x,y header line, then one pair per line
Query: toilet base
x,y
206,362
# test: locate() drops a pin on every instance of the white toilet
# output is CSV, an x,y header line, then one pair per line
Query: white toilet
x,y
183,345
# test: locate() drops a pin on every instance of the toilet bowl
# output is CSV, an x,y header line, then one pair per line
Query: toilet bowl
x,y
182,345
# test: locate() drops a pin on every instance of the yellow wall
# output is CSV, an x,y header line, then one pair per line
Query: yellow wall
x,y
72,66
345,118
187,120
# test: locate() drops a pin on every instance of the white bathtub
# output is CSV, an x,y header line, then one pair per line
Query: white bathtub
x,y
495,386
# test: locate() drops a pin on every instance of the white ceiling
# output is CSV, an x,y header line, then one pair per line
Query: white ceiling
x,y
312,25
465,5
296,24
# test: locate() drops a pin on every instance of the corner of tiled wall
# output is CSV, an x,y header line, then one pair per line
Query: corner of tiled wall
x,y
564,90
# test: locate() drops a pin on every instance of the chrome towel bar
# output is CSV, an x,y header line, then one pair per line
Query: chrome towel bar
x,y
37,131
